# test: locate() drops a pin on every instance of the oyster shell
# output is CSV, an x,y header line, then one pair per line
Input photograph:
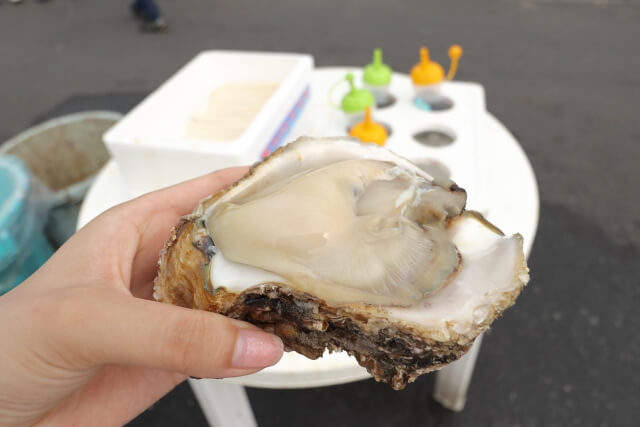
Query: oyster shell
x,y
333,244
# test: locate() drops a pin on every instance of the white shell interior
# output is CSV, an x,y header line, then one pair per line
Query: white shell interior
x,y
493,265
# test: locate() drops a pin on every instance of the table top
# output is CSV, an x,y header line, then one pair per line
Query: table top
x,y
513,206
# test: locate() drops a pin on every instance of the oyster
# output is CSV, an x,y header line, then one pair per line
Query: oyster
x,y
334,244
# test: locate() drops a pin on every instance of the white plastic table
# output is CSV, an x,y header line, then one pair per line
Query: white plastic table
x,y
514,206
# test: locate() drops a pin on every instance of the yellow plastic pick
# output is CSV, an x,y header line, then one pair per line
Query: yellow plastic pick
x,y
369,131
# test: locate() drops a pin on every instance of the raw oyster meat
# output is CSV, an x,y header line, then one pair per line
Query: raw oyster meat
x,y
334,244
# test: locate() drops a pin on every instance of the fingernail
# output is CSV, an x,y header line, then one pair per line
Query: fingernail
x,y
256,349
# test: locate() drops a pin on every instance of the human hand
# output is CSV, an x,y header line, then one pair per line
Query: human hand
x,y
81,343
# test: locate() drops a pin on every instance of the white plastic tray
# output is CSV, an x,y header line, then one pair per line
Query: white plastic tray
x,y
152,145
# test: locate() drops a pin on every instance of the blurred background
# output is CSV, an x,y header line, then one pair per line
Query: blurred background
x,y
562,75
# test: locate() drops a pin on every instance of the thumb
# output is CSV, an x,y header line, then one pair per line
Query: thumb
x,y
123,329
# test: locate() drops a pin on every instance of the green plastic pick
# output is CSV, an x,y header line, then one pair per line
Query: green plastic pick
x,y
357,100
377,73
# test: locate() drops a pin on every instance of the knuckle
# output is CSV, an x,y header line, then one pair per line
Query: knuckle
x,y
186,337
195,346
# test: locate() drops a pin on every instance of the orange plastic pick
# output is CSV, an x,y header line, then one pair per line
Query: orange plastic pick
x,y
426,72
369,131
455,52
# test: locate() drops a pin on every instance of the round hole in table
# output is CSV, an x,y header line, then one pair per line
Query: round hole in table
x,y
435,137
433,102
384,100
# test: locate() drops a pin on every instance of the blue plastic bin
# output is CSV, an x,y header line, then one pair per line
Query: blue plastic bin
x,y
23,246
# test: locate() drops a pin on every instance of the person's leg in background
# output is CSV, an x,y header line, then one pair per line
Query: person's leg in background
x,y
148,12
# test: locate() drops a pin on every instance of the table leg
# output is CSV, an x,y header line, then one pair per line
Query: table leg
x,y
223,404
452,382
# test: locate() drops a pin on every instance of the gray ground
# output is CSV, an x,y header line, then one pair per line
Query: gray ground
x,y
564,77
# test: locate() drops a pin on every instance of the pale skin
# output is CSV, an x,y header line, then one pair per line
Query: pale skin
x,y
84,344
